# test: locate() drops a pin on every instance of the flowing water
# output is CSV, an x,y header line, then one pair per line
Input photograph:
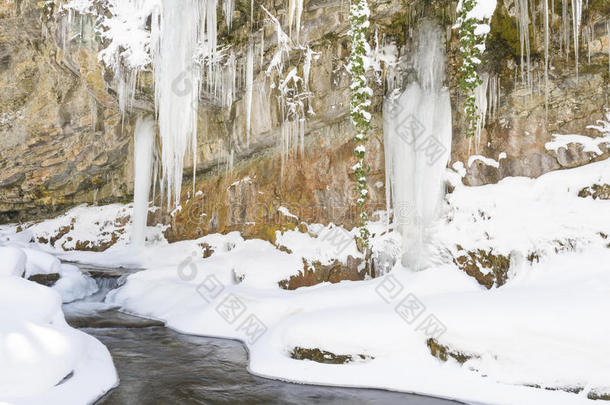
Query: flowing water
x,y
159,366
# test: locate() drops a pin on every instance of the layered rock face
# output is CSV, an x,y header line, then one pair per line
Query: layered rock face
x,y
63,142
64,137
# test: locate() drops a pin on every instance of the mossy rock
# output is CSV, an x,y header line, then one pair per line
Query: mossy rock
x,y
47,280
596,394
472,263
443,353
316,273
321,356
601,191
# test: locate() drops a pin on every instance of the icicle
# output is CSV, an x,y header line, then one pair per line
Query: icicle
x,y
608,35
228,8
93,107
576,14
295,11
262,48
546,58
144,138
493,97
523,22
249,88
420,154
480,102
566,28
178,82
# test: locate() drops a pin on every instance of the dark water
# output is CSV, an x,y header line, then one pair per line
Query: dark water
x,y
159,366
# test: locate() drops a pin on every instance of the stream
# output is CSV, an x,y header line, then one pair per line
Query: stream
x,y
159,366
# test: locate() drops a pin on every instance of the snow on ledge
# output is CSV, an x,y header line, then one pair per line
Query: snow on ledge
x,y
486,161
590,145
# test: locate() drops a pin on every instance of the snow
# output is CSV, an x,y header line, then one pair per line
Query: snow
x,y
286,212
13,261
527,215
38,350
73,284
337,318
591,145
39,262
485,160
483,9
85,226
541,328
332,243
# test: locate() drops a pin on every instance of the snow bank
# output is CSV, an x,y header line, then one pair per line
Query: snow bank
x,y
73,284
588,144
84,227
38,350
12,261
544,327
39,262
541,216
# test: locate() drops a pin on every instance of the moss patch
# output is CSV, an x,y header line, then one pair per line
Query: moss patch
x,y
473,263
321,356
601,191
47,280
443,353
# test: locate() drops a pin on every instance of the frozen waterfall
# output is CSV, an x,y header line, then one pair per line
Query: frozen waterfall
x,y
144,144
184,28
417,135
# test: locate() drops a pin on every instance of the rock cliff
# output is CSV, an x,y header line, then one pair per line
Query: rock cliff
x,y
65,141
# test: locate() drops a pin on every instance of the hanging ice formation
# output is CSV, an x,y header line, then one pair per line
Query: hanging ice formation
x,y
293,95
493,96
227,8
566,28
417,134
546,58
295,11
184,28
576,14
608,34
249,89
480,102
144,143
524,39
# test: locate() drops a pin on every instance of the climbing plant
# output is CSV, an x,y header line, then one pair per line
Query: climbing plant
x,y
360,102
472,45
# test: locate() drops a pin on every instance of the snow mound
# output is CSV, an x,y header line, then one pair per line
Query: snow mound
x,y
12,261
42,359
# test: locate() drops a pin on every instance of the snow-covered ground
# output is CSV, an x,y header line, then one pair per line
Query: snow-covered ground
x,y
545,328
42,359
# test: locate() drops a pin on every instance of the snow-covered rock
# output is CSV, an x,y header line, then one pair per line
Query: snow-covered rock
x,y
38,350
12,261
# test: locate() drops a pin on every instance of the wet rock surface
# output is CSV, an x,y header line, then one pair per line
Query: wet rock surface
x,y
48,280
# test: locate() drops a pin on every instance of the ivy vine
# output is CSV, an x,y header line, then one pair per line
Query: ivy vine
x,y
359,104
